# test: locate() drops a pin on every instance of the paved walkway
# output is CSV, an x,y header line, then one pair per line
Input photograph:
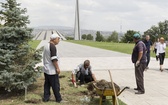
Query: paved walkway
x,y
122,71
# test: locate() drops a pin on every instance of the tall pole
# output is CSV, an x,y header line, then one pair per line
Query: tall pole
x,y
77,23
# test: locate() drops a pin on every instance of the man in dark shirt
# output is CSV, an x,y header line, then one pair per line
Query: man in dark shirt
x,y
148,44
139,60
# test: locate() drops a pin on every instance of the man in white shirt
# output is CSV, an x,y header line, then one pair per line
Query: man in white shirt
x,y
83,73
51,69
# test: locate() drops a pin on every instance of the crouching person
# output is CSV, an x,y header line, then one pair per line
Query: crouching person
x,y
83,73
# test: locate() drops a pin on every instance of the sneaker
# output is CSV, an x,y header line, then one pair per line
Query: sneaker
x,y
139,92
136,89
62,101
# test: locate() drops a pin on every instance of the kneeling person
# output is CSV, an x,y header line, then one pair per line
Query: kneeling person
x,y
83,73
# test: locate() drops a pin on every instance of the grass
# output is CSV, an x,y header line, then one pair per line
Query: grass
x,y
119,47
35,94
34,43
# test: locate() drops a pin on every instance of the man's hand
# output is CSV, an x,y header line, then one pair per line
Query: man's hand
x,y
58,71
73,81
137,63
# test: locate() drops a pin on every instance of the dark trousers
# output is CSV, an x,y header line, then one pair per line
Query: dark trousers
x,y
85,78
148,58
161,58
155,50
52,81
140,77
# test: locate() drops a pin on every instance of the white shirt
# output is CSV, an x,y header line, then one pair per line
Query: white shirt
x,y
78,68
49,68
161,48
156,45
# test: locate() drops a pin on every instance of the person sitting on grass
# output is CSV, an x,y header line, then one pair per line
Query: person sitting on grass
x,y
83,73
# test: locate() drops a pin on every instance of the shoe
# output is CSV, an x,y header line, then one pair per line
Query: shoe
x,y
139,92
136,89
161,70
45,100
62,101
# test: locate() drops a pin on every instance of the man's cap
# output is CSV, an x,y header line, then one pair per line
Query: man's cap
x,y
137,36
54,36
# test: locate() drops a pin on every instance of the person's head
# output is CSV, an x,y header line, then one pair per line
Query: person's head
x,y
86,64
161,40
55,38
147,37
136,37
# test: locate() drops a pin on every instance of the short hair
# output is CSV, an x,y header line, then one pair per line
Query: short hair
x,y
161,38
87,62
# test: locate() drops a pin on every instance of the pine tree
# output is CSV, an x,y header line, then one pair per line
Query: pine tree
x,y
17,58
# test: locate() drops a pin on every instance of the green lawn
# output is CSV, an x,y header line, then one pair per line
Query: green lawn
x,y
34,43
119,47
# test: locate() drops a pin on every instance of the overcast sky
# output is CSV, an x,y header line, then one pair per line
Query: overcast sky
x,y
107,15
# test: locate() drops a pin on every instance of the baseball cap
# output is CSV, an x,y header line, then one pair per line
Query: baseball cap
x,y
54,36
137,36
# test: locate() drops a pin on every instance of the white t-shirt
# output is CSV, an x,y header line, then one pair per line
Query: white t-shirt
x,y
156,45
81,66
49,54
161,48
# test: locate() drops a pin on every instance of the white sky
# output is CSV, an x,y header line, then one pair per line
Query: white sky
x,y
107,15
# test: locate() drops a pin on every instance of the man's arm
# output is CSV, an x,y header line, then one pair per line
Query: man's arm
x,y
140,55
54,58
93,76
55,63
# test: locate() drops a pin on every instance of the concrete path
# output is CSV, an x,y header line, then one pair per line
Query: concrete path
x,y
122,71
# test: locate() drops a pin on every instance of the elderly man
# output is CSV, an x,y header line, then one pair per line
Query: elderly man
x,y
83,73
51,69
139,60
148,44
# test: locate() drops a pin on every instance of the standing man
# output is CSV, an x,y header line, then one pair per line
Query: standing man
x,y
148,44
139,60
51,69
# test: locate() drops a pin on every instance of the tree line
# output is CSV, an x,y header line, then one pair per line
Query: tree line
x,y
155,31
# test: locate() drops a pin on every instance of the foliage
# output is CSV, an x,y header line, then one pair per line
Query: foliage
x,y
89,37
99,37
113,37
157,31
17,59
84,36
69,38
128,36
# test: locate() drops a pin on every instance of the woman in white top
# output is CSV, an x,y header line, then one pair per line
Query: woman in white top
x,y
161,52
156,44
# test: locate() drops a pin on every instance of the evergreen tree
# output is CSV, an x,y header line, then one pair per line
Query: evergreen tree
x,y
99,37
113,37
17,58
84,36
89,37
128,36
